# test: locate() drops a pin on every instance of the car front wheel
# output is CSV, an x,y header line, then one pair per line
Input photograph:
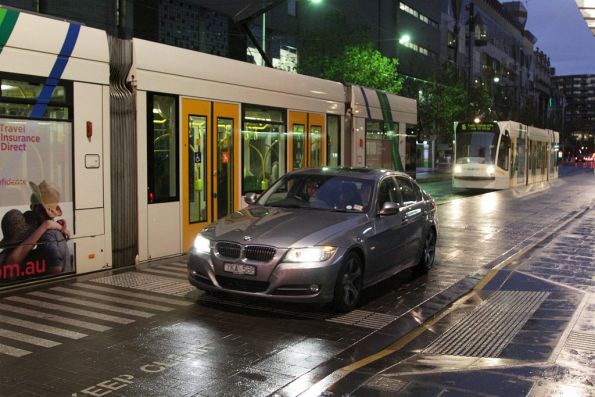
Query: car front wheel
x,y
428,254
349,283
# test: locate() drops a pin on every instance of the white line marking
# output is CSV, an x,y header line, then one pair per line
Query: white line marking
x,y
96,305
48,329
68,309
13,351
55,318
33,340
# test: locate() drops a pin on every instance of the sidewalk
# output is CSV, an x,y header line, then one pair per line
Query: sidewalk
x,y
527,329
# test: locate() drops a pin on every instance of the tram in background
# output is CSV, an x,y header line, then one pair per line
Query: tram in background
x,y
148,143
503,154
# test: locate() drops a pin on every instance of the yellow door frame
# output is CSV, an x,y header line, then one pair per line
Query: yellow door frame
x,y
212,111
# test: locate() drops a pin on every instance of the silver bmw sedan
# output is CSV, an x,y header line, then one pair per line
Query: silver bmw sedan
x,y
319,235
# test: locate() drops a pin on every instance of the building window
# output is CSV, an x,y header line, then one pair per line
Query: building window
x,y
413,12
419,49
162,148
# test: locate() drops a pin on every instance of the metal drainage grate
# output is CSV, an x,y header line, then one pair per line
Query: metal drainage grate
x,y
487,330
364,319
148,282
581,341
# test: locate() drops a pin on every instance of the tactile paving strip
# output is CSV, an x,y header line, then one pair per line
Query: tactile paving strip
x,y
148,282
487,330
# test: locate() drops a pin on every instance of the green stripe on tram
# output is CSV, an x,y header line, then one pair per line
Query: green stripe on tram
x,y
387,115
8,19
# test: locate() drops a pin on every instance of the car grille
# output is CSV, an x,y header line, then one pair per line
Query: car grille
x,y
229,250
259,253
242,285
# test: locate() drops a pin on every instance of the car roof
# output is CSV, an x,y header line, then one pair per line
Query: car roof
x,y
356,172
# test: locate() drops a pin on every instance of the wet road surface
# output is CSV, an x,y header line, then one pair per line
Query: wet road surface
x,y
147,332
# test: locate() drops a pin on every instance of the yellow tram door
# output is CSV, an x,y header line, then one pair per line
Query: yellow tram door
x,y
307,140
209,163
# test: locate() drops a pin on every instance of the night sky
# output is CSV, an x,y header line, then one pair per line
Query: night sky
x,y
562,34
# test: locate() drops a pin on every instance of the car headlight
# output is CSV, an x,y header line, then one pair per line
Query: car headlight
x,y
458,169
491,170
202,244
310,254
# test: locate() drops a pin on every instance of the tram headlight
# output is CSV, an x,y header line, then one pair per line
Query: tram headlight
x,y
491,170
458,169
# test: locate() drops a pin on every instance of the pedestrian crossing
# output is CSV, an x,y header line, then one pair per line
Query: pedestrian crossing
x,y
44,319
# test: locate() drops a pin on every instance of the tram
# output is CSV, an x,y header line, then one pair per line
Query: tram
x,y
146,143
503,154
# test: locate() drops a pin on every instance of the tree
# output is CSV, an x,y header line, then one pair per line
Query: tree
x,y
347,57
440,104
363,65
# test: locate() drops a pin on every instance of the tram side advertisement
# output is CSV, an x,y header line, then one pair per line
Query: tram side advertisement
x,y
36,199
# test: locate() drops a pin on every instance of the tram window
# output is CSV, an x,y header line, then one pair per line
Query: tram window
x,y
20,97
162,148
503,152
315,146
197,159
264,149
299,134
333,141
374,143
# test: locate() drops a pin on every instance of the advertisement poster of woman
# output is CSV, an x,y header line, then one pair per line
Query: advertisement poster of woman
x,y
36,200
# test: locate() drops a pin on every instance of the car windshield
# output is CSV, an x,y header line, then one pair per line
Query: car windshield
x,y
321,192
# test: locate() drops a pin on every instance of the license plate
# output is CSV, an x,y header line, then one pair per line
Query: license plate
x,y
238,268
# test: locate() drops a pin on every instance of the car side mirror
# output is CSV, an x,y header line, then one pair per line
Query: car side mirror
x,y
250,198
390,208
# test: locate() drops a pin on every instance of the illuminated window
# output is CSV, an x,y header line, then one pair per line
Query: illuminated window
x,y
413,12
162,147
23,97
264,147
